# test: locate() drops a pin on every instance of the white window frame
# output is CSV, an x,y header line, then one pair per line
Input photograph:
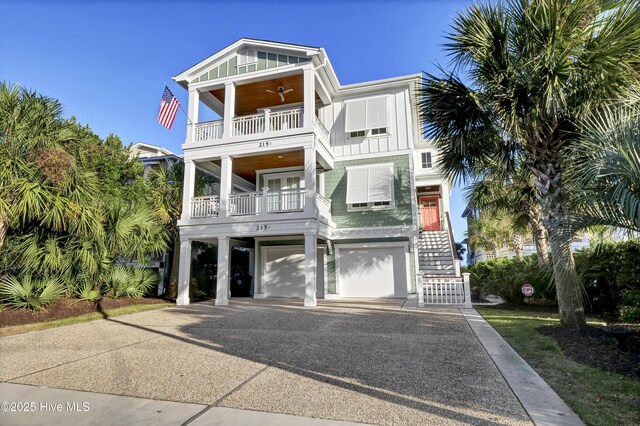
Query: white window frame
x,y
372,204
422,162
243,54
367,128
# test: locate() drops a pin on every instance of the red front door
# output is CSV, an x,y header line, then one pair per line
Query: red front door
x,y
430,213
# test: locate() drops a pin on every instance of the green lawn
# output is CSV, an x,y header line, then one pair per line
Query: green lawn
x,y
598,397
125,310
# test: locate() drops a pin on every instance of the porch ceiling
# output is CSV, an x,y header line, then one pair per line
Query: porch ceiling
x,y
245,167
253,96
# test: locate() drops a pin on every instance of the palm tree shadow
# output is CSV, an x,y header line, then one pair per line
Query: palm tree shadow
x,y
392,375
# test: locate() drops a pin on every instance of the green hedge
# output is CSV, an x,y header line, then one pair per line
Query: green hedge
x,y
505,277
610,274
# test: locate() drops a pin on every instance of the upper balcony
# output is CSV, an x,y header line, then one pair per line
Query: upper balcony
x,y
270,106
266,123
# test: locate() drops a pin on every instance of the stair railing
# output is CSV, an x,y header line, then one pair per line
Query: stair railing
x,y
454,252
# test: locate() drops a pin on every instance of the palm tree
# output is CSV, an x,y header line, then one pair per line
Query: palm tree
x,y
535,69
605,176
165,185
39,181
515,197
164,190
493,231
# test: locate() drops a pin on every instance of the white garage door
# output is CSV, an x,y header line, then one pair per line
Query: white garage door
x,y
372,272
284,272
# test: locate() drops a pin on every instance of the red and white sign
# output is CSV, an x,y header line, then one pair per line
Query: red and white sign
x,y
527,290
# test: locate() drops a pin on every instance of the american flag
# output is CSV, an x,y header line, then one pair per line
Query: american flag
x,y
168,108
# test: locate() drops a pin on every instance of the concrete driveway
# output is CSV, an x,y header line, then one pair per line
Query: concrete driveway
x,y
362,361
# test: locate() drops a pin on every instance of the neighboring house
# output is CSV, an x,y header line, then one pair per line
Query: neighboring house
x,y
152,156
326,186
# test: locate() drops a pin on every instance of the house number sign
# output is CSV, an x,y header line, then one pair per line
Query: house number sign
x,y
264,144
263,227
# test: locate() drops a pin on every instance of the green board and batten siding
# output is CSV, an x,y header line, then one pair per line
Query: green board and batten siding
x,y
335,184
265,60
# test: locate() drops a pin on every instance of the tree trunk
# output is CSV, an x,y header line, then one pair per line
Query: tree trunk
x,y
518,245
4,228
558,225
172,288
539,236
567,281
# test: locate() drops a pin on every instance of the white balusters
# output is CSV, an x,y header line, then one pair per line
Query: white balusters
x,y
205,207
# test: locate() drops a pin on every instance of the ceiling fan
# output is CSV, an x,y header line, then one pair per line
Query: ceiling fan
x,y
281,92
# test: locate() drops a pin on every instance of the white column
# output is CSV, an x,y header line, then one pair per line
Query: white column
x,y
226,175
310,264
192,112
445,197
184,273
467,289
420,290
229,108
189,188
309,97
222,285
310,180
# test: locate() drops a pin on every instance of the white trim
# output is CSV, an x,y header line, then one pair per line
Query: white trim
x,y
369,166
373,155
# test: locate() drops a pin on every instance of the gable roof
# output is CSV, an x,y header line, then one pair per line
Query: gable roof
x,y
153,150
190,73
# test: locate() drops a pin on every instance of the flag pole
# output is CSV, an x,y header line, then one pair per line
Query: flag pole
x,y
179,105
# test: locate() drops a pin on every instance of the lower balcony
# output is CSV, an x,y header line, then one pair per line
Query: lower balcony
x,y
258,203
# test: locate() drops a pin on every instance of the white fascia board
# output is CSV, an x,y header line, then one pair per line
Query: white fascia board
x,y
165,151
376,85
250,77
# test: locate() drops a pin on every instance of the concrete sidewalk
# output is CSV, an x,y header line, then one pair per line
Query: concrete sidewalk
x,y
66,407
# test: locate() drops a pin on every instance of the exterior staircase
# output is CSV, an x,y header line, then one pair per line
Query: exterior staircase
x,y
434,254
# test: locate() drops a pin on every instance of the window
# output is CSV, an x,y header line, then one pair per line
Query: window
x,y
426,160
357,134
370,187
366,114
247,57
379,131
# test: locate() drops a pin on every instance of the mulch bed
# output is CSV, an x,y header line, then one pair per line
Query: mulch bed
x,y
66,308
611,348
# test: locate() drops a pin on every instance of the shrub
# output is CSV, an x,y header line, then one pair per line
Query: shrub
x,y
505,278
124,281
608,271
87,291
630,306
29,293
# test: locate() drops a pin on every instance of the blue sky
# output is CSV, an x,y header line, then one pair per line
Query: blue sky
x,y
107,61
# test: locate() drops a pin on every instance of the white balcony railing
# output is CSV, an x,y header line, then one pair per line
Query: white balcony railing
x,y
248,124
265,122
252,203
245,203
205,207
209,130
